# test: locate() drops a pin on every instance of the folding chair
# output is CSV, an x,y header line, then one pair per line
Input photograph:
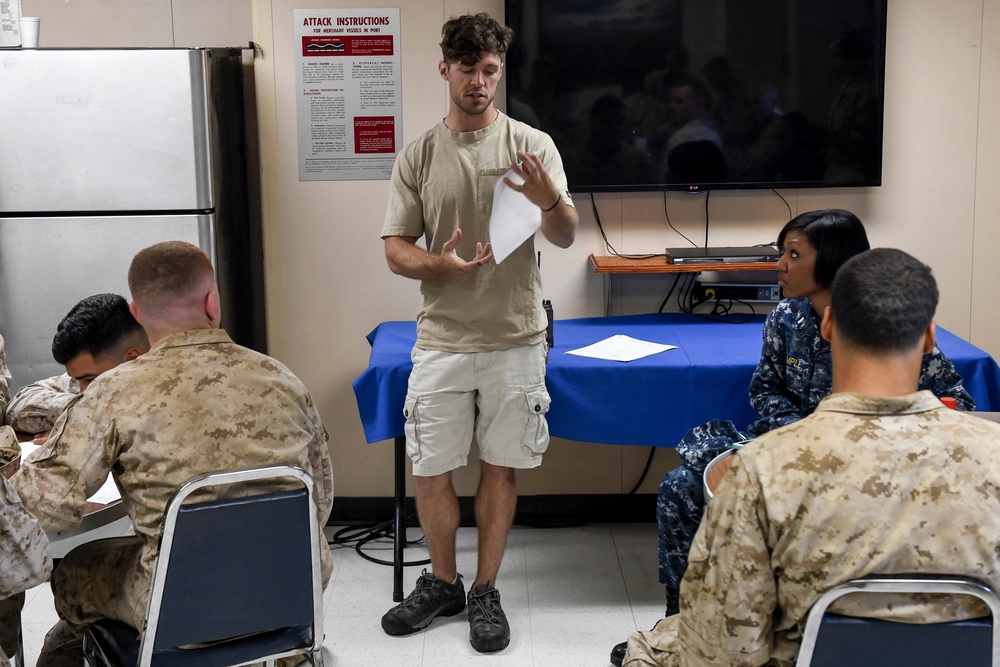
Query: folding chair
x,y
236,581
715,471
834,640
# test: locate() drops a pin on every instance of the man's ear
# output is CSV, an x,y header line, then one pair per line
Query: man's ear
x,y
826,326
929,338
132,353
135,311
443,70
213,307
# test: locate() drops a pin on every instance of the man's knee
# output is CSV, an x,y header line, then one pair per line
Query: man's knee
x,y
681,488
432,485
63,647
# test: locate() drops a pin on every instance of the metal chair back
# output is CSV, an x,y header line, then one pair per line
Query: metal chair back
x,y
831,639
240,576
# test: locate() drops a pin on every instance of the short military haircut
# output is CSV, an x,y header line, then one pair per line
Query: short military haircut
x,y
883,300
167,272
836,234
97,324
464,39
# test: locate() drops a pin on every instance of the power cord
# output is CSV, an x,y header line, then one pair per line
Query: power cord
x,y
642,477
363,535
707,195
607,243
784,201
666,214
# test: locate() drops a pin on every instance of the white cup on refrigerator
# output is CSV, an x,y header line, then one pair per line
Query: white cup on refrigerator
x,y
29,26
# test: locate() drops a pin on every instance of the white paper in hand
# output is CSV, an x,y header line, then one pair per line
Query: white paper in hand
x,y
514,219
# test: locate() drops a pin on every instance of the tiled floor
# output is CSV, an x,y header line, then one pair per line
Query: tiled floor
x,y
570,595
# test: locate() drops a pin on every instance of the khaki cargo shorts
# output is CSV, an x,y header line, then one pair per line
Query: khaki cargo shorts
x,y
500,396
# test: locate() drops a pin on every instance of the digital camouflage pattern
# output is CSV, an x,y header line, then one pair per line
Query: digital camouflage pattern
x,y
4,380
863,486
24,555
35,407
24,548
10,625
196,402
794,374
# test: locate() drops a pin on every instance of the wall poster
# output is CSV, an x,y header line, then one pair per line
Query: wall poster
x,y
349,93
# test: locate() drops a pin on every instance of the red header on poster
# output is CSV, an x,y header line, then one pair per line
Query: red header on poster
x,y
374,134
347,45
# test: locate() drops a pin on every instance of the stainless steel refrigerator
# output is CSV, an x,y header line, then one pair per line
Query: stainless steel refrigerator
x,y
104,152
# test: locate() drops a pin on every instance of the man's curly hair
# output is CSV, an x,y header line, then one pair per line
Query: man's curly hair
x,y
464,39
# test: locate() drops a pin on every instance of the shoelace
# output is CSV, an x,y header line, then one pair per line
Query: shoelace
x,y
488,603
424,583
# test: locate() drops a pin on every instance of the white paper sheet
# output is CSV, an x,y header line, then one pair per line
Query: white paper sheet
x,y
514,218
108,493
621,348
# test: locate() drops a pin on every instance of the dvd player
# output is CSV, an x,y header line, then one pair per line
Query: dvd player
x,y
730,255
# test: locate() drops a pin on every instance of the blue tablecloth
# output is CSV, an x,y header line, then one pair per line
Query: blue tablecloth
x,y
651,401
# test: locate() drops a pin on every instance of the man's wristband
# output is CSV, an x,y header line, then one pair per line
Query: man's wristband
x,y
558,199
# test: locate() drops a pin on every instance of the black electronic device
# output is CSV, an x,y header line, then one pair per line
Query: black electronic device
x,y
764,292
550,317
713,94
721,255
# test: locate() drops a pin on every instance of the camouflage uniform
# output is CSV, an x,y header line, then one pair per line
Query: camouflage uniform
x,y
35,407
196,402
24,556
793,375
863,486
4,381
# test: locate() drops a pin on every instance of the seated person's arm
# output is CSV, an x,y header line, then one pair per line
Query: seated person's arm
x,y
26,559
55,481
4,382
770,395
728,596
35,407
938,374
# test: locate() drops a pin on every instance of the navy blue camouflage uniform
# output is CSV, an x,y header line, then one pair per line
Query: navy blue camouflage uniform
x,y
793,376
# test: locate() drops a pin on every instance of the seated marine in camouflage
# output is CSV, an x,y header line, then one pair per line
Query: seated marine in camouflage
x,y
96,335
870,483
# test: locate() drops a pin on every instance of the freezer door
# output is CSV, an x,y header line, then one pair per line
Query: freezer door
x,y
104,130
48,264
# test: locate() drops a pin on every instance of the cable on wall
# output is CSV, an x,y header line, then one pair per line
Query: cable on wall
x,y
671,225
607,243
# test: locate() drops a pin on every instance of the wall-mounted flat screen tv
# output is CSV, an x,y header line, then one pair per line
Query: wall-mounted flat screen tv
x,y
703,94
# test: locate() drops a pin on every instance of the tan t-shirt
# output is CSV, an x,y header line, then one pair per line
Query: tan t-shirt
x,y
444,181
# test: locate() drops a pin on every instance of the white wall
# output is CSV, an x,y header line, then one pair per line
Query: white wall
x,y
328,284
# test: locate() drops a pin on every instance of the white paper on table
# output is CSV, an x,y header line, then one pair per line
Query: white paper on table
x,y
514,219
621,348
108,493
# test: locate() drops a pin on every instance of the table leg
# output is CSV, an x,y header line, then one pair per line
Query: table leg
x,y
399,534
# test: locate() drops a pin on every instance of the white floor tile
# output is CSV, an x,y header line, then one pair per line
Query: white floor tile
x,y
578,633
570,594
363,635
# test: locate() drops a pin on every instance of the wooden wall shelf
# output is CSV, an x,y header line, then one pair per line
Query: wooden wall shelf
x,y
618,264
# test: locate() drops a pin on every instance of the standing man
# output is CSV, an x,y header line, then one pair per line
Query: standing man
x,y
96,335
195,403
479,360
880,479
